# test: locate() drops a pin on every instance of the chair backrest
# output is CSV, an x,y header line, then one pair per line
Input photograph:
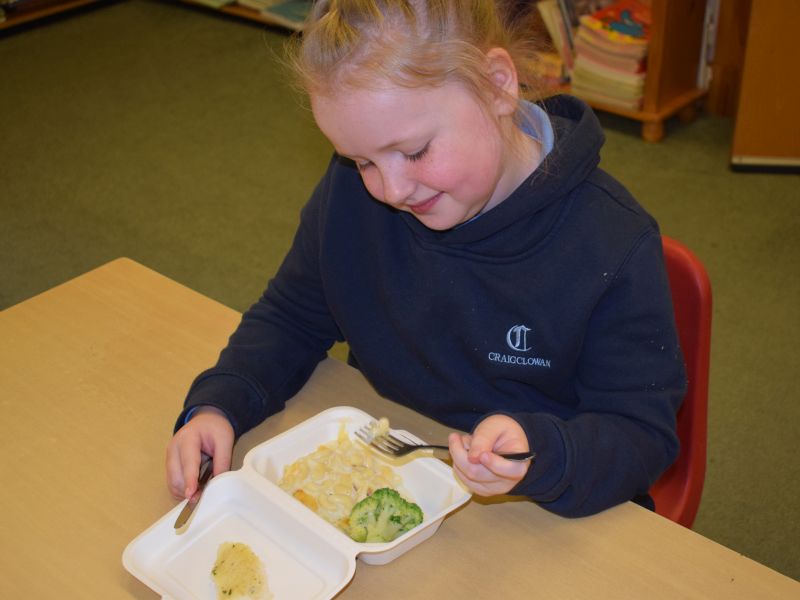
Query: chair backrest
x,y
677,493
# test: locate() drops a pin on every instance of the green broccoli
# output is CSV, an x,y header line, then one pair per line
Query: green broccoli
x,y
383,516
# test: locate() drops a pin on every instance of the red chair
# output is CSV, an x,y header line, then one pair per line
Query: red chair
x,y
677,493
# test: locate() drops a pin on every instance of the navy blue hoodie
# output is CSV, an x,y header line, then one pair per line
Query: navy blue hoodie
x,y
553,308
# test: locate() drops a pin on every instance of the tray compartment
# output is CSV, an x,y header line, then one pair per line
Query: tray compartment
x,y
299,563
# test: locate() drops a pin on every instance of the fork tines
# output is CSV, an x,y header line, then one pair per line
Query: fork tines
x,y
385,442
388,443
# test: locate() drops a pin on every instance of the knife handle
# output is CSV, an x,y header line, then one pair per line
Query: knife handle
x,y
206,469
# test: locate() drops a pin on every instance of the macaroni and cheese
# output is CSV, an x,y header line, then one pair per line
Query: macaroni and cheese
x,y
337,475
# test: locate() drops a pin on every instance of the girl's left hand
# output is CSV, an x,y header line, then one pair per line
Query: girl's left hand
x,y
475,462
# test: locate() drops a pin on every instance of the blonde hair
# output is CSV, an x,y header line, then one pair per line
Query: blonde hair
x,y
408,43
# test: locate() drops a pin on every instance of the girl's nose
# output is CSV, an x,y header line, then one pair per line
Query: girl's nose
x,y
397,186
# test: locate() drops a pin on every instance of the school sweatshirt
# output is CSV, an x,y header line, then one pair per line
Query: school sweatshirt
x,y
553,308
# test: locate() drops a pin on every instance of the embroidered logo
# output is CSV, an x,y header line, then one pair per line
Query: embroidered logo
x,y
517,338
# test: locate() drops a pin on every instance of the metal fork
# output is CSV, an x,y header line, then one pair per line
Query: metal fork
x,y
391,445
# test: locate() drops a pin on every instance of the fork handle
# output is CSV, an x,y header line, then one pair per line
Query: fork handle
x,y
513,456
518,456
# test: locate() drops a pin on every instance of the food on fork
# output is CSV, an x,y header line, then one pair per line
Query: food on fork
x,y
239,573
383,516
376,429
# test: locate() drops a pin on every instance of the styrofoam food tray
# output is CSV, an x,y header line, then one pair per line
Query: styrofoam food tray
x,y
305,557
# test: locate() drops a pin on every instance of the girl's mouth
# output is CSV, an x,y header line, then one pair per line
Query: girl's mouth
x,y
427,206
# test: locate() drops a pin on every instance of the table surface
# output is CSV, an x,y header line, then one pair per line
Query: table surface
x,y
93,374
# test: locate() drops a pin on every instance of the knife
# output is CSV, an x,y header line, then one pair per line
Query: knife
x,y
206,468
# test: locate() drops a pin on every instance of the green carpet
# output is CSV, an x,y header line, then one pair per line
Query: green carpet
x,y
166,134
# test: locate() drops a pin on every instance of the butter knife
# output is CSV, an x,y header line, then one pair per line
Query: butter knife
x,y
206,468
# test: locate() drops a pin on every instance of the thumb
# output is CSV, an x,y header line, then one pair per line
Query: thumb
x,y
479,445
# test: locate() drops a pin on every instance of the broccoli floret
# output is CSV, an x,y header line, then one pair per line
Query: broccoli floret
x,y
383,516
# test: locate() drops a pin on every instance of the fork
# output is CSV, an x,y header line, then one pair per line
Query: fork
x,y
391,445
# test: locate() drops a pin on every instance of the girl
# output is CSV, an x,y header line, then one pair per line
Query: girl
x,y
481,267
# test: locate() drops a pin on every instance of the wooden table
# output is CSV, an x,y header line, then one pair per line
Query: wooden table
x,y
93,373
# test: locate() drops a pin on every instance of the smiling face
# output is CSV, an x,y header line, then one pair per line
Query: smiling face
x,y
435,152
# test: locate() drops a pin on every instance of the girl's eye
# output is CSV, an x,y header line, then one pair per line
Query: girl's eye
x,y
418,155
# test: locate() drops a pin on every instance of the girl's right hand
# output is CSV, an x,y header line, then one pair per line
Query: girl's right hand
x,y
207,432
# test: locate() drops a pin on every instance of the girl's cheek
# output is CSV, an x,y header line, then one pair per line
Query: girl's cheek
x,y
373,185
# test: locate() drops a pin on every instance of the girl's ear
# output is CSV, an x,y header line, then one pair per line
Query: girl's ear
x,y
503,74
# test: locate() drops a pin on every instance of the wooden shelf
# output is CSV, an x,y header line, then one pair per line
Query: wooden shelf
x,y
40,9
243,12
676,37
35,10
685,105
674,51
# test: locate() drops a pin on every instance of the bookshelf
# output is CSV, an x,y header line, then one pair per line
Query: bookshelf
x,y
674,57
34,10
244,12
676,35
670,86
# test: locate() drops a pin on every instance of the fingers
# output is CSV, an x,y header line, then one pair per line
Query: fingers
x,y
222,457
501,467
189,453
459,446
472,475
174,472
476,463
485,482
177,473
480,444
210,434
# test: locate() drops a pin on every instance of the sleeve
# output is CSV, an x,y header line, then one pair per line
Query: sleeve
x,y
630,383
279,340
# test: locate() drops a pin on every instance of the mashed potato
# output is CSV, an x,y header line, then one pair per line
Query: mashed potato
x,y
239,573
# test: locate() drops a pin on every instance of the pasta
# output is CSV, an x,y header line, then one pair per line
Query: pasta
x,y
337,475
377,429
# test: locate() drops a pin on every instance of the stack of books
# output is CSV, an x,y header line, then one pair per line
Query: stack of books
x,y
560,34
611,55
549,71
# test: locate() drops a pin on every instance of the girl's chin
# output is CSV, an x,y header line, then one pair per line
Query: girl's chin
x,y
439,222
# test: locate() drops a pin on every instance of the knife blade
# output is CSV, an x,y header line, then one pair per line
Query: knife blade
x,y
206,468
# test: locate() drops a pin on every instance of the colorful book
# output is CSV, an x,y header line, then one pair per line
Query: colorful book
x,y
624,21
603,44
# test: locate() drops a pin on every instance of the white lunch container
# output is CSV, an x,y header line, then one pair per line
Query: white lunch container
x,y
304,556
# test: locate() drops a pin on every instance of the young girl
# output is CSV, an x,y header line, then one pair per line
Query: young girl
x,y
481,267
